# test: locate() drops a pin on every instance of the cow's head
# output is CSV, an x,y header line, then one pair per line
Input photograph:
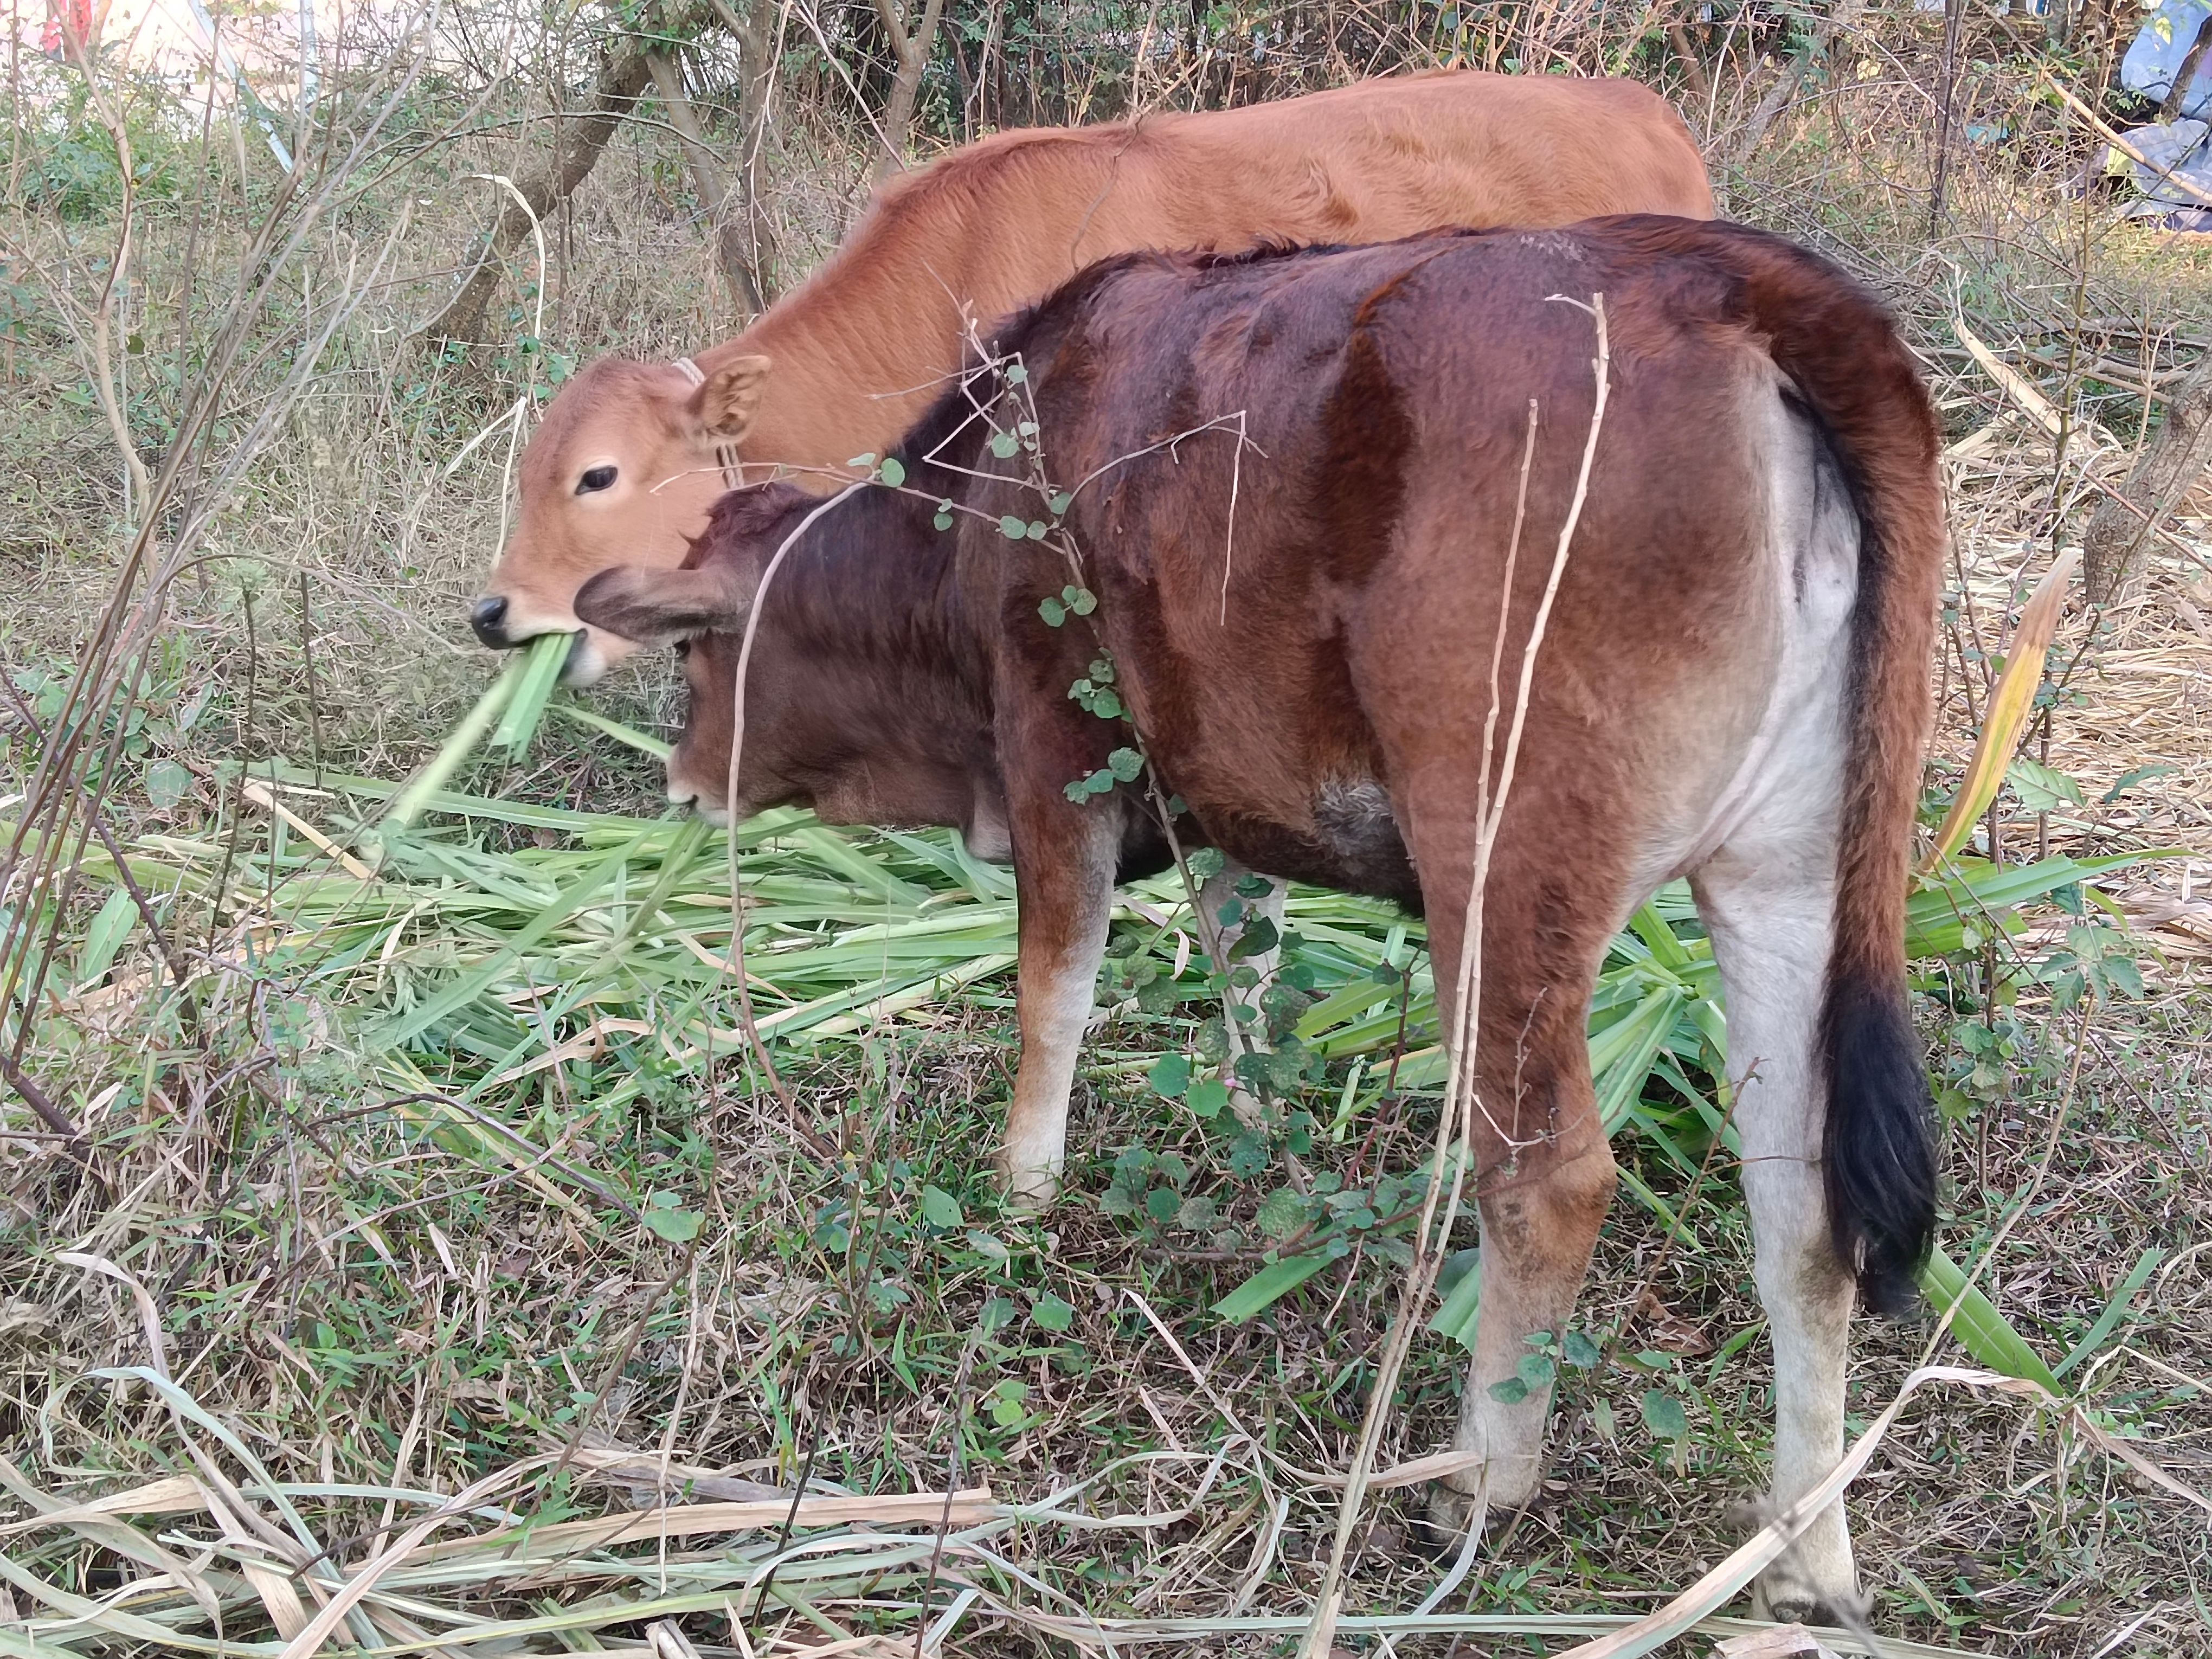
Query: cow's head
x,y
700,608
857,705
621,472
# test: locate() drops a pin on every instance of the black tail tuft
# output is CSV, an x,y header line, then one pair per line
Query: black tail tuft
x,y
1881,1149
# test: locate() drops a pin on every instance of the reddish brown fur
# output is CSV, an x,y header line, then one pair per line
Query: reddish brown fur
x,y
1327,723
859,351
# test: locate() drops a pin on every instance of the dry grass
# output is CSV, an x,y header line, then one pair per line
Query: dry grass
x,y
380,1301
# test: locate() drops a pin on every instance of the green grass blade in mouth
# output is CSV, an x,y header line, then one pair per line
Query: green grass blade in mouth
x,y
543,659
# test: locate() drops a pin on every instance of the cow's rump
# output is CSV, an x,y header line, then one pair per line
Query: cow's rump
x,y
1362,415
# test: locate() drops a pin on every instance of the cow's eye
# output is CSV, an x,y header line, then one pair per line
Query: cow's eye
x,y
682,649
599,478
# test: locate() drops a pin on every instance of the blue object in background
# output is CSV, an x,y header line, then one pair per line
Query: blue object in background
x,y
2155,56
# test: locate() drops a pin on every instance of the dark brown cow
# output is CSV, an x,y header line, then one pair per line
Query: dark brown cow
x,y
1732,687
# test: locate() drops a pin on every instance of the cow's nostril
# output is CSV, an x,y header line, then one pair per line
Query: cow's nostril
x,y
488,617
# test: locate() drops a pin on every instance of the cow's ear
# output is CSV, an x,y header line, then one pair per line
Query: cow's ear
x,y
660,607
727,400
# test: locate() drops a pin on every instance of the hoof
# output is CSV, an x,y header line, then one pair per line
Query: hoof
x,y
1030,1190
1450,1516
1792,1602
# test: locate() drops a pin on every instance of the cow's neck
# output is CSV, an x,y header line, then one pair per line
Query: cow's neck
x,y
861,349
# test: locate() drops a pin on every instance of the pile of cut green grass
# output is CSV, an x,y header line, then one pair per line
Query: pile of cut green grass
x,y
494,942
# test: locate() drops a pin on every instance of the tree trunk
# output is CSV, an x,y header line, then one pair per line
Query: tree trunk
x,y
2169,466
731,250
912,50
624,76
2169,108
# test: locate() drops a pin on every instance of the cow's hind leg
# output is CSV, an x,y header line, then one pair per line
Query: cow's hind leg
x,y
1767,903
1546,1178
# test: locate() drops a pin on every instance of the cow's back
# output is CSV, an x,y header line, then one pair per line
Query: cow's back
x,y
1391,158
1309,470
1020,212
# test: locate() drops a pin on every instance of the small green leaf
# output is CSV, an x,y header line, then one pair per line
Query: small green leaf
x,y
1051,1313
1054,612
940,1209
1171,1076
2129,779
868,459
1081,600
1059,502
892,472
1005,1403
1282,1212
1536,1370
1016,375
1578,1350
166,783
1037,529
1512,1392
1460,1285
1012,528
1003,444
1208,1097
944,518
1161,1203
1125,764
1248,1154
1663,1414
2042,788
665,1217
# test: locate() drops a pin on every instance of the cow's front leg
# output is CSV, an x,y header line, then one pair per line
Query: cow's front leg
x,y
1064,861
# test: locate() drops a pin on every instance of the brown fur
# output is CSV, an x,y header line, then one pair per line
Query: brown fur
x,y
1327,725
844,364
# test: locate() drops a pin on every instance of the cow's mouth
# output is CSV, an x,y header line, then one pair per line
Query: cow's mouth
x,y
591,652
714,809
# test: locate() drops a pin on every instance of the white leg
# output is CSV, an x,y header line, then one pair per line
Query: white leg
x,y
1067,901
1769,917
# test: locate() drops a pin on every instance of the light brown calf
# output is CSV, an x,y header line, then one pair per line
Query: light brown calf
x,y
631,455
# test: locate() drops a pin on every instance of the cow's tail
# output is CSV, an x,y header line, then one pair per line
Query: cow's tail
x,y
1840,349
